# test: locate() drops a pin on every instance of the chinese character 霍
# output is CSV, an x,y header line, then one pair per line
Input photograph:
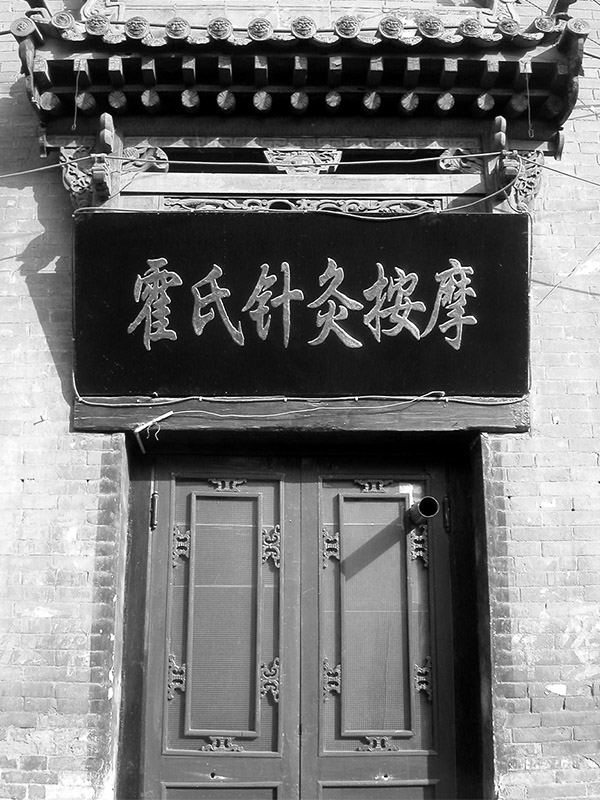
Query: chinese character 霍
x,y
337,307
454,289
152,288
397,291
262,296
215,295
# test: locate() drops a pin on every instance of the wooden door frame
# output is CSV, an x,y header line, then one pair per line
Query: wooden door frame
x,y
468,524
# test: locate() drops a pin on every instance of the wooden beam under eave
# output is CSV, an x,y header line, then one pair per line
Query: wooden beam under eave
x,y
522,74
322,416
412,72
225,69
86,103
188,70
300,74
408,104
261,71
81,70
375,72
490,69
449,73
334,71
148,69
151,101
115,71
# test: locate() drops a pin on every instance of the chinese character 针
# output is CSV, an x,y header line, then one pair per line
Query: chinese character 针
x,y
262,297
152,289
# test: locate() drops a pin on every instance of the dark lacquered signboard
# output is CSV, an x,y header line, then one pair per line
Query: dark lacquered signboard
x,y
300,305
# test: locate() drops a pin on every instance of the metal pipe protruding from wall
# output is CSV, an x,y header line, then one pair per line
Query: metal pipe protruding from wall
x,y
425,509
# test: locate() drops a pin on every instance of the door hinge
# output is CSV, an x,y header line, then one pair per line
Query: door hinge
x,y
446,513
153,510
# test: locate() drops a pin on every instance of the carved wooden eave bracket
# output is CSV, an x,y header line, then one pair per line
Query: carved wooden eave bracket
x,y
465,64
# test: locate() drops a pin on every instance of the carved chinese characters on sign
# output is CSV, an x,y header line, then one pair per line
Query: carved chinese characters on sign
x,y
391,306
152,289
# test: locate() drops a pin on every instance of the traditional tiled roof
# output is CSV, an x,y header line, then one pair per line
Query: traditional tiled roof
x,y
420,64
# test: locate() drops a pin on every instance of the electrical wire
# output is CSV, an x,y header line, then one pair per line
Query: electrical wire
x,y
373,162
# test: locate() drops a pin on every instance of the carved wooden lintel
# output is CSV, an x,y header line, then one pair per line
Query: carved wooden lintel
x,y
359,206
302,162
457,159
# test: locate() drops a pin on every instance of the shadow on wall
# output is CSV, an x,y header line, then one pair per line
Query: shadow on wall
x,y
35,233
83,569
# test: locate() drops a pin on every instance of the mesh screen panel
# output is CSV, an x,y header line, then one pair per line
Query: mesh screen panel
x,y
375,693
223,616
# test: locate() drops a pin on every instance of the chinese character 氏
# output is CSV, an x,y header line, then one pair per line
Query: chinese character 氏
x,y
215,296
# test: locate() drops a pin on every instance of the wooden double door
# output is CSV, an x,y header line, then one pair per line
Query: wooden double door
x,y
298,637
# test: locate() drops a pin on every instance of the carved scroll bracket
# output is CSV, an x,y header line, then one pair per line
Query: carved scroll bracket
x,y
86,175
520,173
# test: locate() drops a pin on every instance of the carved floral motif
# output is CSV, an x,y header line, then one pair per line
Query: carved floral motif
x,y
422,678
176,678
377,743
331,546
304,162
226,484
269,679
222,743
332,679
371,485
181,543
358,206
419,544
271,544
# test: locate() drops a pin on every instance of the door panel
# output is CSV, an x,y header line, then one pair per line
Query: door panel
x,y
244,701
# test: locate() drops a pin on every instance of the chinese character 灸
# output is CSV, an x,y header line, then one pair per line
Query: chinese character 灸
x,y
337,307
